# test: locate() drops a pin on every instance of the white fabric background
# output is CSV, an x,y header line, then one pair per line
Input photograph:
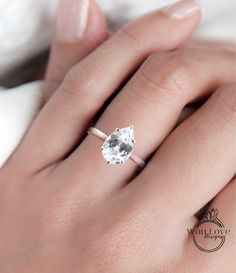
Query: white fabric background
x,y
25,28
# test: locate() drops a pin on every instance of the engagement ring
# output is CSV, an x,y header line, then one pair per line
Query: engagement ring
x,y
118,147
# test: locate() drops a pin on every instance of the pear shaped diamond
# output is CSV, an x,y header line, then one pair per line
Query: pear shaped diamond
x,y
118,147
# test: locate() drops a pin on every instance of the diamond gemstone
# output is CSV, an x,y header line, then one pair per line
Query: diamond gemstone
x,y
118,147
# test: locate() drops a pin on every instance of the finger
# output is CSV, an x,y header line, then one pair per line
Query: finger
x,y
224,207
67,115
152,102
197,160
80,27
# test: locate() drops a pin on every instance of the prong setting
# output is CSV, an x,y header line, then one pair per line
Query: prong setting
x,y
118,146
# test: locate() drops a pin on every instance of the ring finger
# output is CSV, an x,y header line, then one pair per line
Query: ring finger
x,y
152,102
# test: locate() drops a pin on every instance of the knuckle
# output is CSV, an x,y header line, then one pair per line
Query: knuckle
x,y
170,73
78,85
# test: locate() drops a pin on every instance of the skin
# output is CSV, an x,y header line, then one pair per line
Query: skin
x,y
65,55
64,210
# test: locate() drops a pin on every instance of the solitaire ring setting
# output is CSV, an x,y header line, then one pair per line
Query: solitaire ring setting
x,y
118,147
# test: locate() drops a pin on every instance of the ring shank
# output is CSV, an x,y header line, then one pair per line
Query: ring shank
x,y
136,159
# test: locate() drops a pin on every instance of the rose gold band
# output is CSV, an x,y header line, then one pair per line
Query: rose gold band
x,y
136,159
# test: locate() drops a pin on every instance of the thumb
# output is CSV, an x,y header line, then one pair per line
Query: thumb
x,y
79,28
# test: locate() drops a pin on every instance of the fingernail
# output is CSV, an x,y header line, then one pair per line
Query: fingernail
x,y
182,9
72,19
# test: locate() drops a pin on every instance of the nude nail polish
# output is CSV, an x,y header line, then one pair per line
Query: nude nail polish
x,y
182,9
71,20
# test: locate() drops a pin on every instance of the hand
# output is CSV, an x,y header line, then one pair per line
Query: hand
x,y
65,210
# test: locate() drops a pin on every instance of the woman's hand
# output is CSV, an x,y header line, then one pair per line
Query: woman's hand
x,y
65,210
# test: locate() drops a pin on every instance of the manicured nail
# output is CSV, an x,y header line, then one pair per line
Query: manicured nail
x,y
72,19
182,9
